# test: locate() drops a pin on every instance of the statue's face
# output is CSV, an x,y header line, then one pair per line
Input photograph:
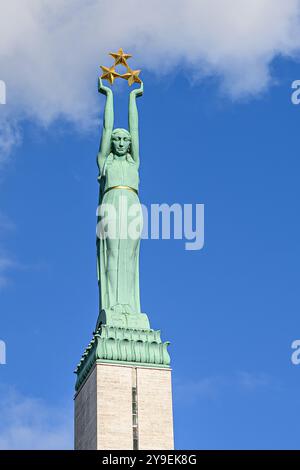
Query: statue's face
x,y
120,143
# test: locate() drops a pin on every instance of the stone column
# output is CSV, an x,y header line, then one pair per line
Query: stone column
x,y
124,406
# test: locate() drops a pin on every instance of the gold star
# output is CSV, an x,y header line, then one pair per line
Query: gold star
x,y
109,74
120,57
132,76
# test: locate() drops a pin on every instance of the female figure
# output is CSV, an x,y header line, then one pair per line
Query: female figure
x,y
117,251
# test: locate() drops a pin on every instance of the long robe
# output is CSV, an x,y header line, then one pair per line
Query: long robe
x,y
118,253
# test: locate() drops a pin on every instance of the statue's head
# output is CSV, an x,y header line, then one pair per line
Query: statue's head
x,y
120,142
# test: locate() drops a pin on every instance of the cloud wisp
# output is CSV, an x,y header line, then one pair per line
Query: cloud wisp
x,y
8,262
212,388
29,423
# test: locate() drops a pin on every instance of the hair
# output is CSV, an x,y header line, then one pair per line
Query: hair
x,y
115,131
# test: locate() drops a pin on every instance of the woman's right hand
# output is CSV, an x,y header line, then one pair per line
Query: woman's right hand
x,y
105,90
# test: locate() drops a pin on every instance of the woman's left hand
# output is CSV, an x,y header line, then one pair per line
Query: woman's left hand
x,y
138,91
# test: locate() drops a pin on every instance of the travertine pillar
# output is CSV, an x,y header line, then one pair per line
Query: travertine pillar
x,y
121,406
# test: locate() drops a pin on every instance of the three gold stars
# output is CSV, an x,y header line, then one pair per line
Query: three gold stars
x,y
110,74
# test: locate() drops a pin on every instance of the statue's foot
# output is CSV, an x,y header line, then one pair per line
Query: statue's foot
x,y
122,308
117,308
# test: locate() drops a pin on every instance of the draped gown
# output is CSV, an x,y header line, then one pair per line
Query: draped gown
x,y
118,256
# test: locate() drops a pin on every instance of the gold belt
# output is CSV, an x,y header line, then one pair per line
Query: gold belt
x,y
120,186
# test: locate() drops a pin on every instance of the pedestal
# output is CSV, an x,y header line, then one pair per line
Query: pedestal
x,y
123,394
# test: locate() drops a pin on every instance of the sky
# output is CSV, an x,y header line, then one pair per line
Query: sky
x,y
217,127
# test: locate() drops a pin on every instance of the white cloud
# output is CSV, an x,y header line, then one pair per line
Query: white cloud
x,y
9,137
5,223
9,264
213,387
7,261
50,49
29,423
250,381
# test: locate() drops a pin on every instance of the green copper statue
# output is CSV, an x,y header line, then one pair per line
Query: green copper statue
x,y
122,334
118,162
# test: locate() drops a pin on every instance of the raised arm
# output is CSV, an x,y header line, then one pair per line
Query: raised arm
x,y
133,119
108,124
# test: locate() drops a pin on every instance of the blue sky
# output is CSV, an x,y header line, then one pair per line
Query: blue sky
x,y
230,310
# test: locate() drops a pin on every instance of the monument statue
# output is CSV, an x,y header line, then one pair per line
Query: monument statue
x,y
118,255
123,333
118,162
